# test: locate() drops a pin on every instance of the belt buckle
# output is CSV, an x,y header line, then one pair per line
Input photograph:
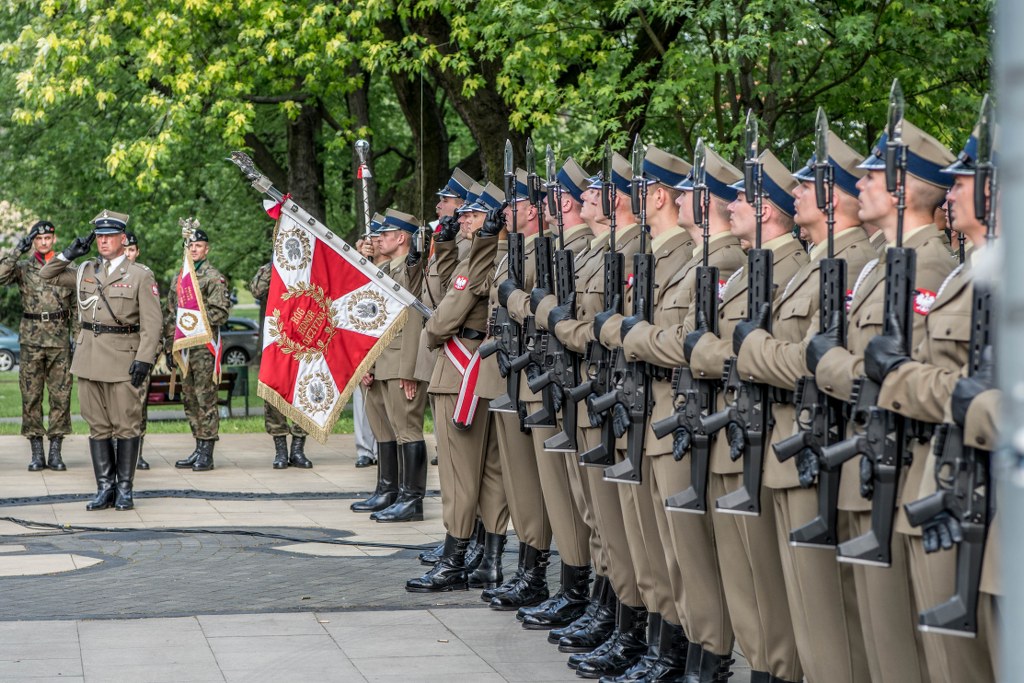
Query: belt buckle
x,y
45,316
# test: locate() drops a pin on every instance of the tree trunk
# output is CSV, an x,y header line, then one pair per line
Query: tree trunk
x,y
359,111
305,170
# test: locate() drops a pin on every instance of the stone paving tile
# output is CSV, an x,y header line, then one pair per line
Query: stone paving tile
x,y
462,667
233,625
16,669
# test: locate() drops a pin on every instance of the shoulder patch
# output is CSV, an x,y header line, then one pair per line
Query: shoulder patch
x,y
924,299
156,291
629,281
460,283
849,299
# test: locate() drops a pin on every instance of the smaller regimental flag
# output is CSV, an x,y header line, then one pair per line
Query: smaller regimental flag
x,y
191,326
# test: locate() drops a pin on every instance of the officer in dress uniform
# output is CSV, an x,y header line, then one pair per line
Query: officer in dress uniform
x,y
119,311
131,252
45,345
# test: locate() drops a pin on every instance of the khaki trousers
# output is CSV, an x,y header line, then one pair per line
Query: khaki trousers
x,y
522,482
571,533
376,413
405,416
113,410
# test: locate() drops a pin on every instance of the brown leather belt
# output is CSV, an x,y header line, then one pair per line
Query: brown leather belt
x,y
470,334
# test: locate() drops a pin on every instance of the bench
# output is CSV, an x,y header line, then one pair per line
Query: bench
x,y
233,382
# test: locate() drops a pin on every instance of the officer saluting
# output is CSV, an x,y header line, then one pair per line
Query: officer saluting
x,y
119,310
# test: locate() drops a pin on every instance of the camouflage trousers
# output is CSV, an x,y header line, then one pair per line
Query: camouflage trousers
x,y
199,394
50,367
277,424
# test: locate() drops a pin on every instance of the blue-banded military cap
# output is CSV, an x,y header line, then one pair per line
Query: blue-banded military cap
x,y
662,167
967,161
777,183
109,222
375,223
573,179
719,176
522,189
458,185
471,198
926,156
397,220
622,173
492,197
845,163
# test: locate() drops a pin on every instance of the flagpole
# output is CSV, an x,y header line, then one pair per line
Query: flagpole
x,y
363,174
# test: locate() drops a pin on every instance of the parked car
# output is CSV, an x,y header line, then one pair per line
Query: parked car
x,y
241,341
10,349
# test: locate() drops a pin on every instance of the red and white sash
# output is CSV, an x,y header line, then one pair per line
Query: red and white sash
x,y
468,366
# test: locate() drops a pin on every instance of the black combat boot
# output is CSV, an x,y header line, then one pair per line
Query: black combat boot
x,y
673,646
126,456
532,587
204,463
298,455
625,651
596,596
412,486
143,465
638,673
565,606
54,461
603,647
432,556
38,461
511,581
186,463
102,453
476,546
597,630
386,492
707,667
488,572
280,453
449,574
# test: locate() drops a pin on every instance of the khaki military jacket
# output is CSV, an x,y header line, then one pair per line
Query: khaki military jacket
x,y
779,358
214,289
493,250
398,360
462,307
711,352
840,367
440,268
134,299
39,296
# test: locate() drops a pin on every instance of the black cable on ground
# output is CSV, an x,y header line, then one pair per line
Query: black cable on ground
x,y
193,493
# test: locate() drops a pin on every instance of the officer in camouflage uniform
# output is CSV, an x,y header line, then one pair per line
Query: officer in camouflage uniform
x,y
45,344
131,252
198,386
276,424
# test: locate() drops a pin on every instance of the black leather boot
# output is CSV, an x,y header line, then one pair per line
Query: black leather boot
x,y
565,606
38,461
298,455
772,679
476,546
671,663
597,630
280,452
603,647
386,492
412,487
432,556
143,465
488,573
760,677
102,453
707,667
55,462
625,651
204,463
596,596
489,593
126,456
637,673
449,574
532,587
186,463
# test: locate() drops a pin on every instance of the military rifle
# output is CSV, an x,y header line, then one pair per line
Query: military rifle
x,y
820,418
751,402
880,435
695,398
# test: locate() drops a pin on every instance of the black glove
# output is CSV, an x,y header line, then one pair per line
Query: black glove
x,y
620,419
867,478
737,440
504,364
25,243
968,388
680,443
822,343
413,258
447,229
807,467
563,312
78,247
693,337
138,372
885,353
628,324
494,223
941,532
596,418
532,371
505,290
536,296
601,318
745,327
556,398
